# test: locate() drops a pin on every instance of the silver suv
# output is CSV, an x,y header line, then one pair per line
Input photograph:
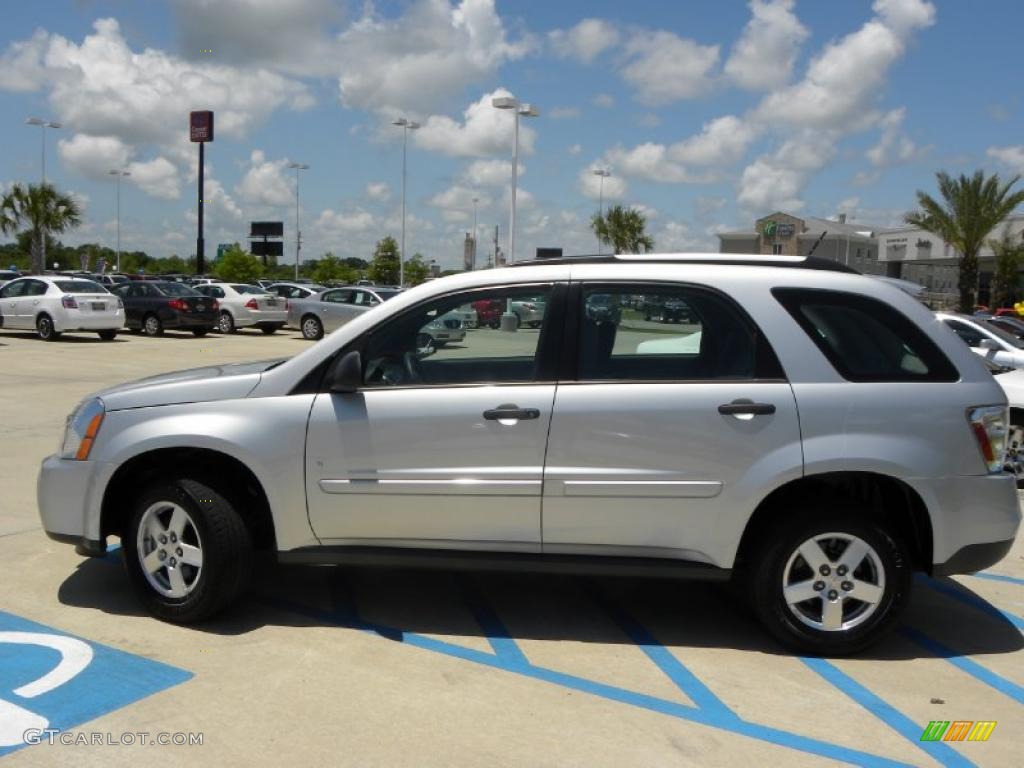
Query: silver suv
x,y
813,434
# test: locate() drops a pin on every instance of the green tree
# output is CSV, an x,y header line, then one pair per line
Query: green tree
x,y
623,229
970,208
1009,255
416,270
330,267
38,209
238,266
384,266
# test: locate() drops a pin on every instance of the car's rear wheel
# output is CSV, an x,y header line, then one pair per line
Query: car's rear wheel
x,y
107,335
187,551
45,329
269,329
226,323
151,326
829,584
312,328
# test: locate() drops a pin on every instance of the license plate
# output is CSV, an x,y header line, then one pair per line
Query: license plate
x,y
99,305
271,302
200,307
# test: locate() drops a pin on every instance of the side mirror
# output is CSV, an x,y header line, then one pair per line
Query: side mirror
x,y
345,375
991,344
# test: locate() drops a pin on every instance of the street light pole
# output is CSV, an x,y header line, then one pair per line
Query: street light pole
x,y
525,110
475,199
43,125
298,233
406,126
603,173
118,174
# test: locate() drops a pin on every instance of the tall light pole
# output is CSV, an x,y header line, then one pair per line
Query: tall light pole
x,y
475,200
603,173
406,126
118,175
298,233
526,110
43,125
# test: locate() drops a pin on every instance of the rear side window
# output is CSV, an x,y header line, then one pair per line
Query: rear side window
x,y
866,340
79,286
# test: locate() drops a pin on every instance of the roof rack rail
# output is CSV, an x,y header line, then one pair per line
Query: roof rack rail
x,y
724,259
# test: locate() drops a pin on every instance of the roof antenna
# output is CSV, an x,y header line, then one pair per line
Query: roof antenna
x,y
816,244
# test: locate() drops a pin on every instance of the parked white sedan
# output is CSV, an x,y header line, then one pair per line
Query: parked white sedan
x,y
245,306
54,305
994,344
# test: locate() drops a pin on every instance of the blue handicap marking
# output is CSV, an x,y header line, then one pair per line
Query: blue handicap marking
x,y
50,679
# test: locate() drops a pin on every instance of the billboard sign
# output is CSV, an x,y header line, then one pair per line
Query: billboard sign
x,y
201,126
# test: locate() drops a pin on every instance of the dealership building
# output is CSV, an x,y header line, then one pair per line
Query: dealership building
x,y
854,244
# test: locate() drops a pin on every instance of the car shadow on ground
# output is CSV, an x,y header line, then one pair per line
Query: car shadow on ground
x,y
951,619
73,337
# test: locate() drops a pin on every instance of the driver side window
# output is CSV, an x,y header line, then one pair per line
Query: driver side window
x,y
431,345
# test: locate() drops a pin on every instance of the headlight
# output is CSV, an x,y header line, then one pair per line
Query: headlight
x,y
436,325
82,426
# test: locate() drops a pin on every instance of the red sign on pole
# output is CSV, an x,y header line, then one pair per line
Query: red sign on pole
x,y
201,126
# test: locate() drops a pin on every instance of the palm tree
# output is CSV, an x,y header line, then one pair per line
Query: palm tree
x,y
971,208
623,229
39,210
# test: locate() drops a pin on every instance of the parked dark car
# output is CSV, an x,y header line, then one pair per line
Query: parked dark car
x,y
1010,323
665,310
153,306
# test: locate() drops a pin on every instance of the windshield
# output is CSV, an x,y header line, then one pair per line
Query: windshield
x,y
79,286
176,289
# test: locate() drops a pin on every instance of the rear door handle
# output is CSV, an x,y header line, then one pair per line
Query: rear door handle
x,y
746,408
511,413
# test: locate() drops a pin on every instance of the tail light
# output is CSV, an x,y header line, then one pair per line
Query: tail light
x,y
989,424
251,304
68,302
216,305
178,305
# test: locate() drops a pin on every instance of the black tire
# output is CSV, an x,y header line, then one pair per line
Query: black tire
x,y
151,325
226,323
647,317
761,580
134,331
45,329
269,329
519,320
226,546
107,335
200,332
312,328
533,325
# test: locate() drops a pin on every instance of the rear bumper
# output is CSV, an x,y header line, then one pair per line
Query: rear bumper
x,y
190,320
261,317
971,517
973,558
86,322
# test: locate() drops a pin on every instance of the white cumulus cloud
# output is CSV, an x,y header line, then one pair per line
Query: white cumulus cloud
x,y
483,131
585,41
664,68
764,55
266,182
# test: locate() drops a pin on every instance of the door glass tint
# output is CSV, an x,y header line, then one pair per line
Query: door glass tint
x,y
337,297
664,333
431,345
13,290
866,339
971,336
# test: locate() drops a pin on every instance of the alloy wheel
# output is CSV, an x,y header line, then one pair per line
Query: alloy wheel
x,y
833,582
169,549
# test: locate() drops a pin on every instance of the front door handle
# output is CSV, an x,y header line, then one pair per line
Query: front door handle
x,y
746,408
510,412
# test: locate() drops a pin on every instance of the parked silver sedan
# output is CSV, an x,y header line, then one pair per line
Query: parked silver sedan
x,y
328,310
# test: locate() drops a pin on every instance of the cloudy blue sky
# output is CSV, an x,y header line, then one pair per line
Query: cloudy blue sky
x,y
708,112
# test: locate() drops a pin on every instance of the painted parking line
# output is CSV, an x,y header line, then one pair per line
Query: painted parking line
x,y
888,714
997,577
343,613
50,679
964,664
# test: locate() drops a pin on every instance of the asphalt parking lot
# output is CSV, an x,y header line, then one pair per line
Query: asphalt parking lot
x,y
345,666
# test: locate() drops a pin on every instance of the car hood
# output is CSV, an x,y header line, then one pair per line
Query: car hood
x,y
196,385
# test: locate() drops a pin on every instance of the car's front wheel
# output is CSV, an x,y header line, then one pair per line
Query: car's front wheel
x,y
829,584
226,323
187,551
107,335
151,326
